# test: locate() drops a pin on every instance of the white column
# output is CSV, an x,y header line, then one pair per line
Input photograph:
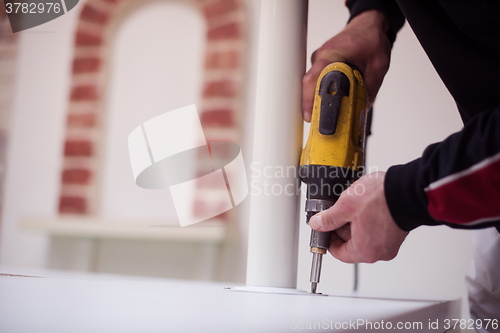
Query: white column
x,y
274,214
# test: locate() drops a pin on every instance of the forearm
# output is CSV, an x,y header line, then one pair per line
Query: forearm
x,y
393,17
455,182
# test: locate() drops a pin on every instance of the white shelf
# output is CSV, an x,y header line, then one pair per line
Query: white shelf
x,y
212,231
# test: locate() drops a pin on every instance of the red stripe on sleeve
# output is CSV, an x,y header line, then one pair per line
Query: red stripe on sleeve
x,y
469,198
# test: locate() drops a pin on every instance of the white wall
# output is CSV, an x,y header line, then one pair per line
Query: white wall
x,y
35,144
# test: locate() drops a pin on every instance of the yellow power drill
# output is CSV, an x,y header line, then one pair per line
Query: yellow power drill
x,y
333,157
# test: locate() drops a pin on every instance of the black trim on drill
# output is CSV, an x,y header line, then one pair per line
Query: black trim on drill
x,y
333,87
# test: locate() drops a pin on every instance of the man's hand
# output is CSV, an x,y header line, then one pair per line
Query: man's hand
x,y
364,228
364,44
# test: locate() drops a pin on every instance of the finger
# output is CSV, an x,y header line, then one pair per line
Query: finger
x,y
314,55
332,218
344,232
309,87
343,251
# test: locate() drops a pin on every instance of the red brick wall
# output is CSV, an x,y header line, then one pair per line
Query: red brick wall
x,y
220,105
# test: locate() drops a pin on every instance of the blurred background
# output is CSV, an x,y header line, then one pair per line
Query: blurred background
x,y
71,91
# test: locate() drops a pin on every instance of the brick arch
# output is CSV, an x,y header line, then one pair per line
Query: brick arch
x,y
220,106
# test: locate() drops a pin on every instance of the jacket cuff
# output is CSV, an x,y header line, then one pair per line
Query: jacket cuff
x,y
388,7
405,196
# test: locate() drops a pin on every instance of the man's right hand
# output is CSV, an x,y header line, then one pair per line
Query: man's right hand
x,y
364,44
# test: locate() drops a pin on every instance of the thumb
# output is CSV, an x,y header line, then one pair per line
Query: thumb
x,y
330,219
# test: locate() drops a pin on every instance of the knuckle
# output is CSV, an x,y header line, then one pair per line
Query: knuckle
x,y
322,57
313,56
389,255
380,63
376,255
308,79
369,258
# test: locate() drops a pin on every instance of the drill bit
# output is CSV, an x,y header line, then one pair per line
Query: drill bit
x,y
315,271
319,244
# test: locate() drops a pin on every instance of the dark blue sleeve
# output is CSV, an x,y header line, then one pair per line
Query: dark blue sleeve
x,y
456,182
